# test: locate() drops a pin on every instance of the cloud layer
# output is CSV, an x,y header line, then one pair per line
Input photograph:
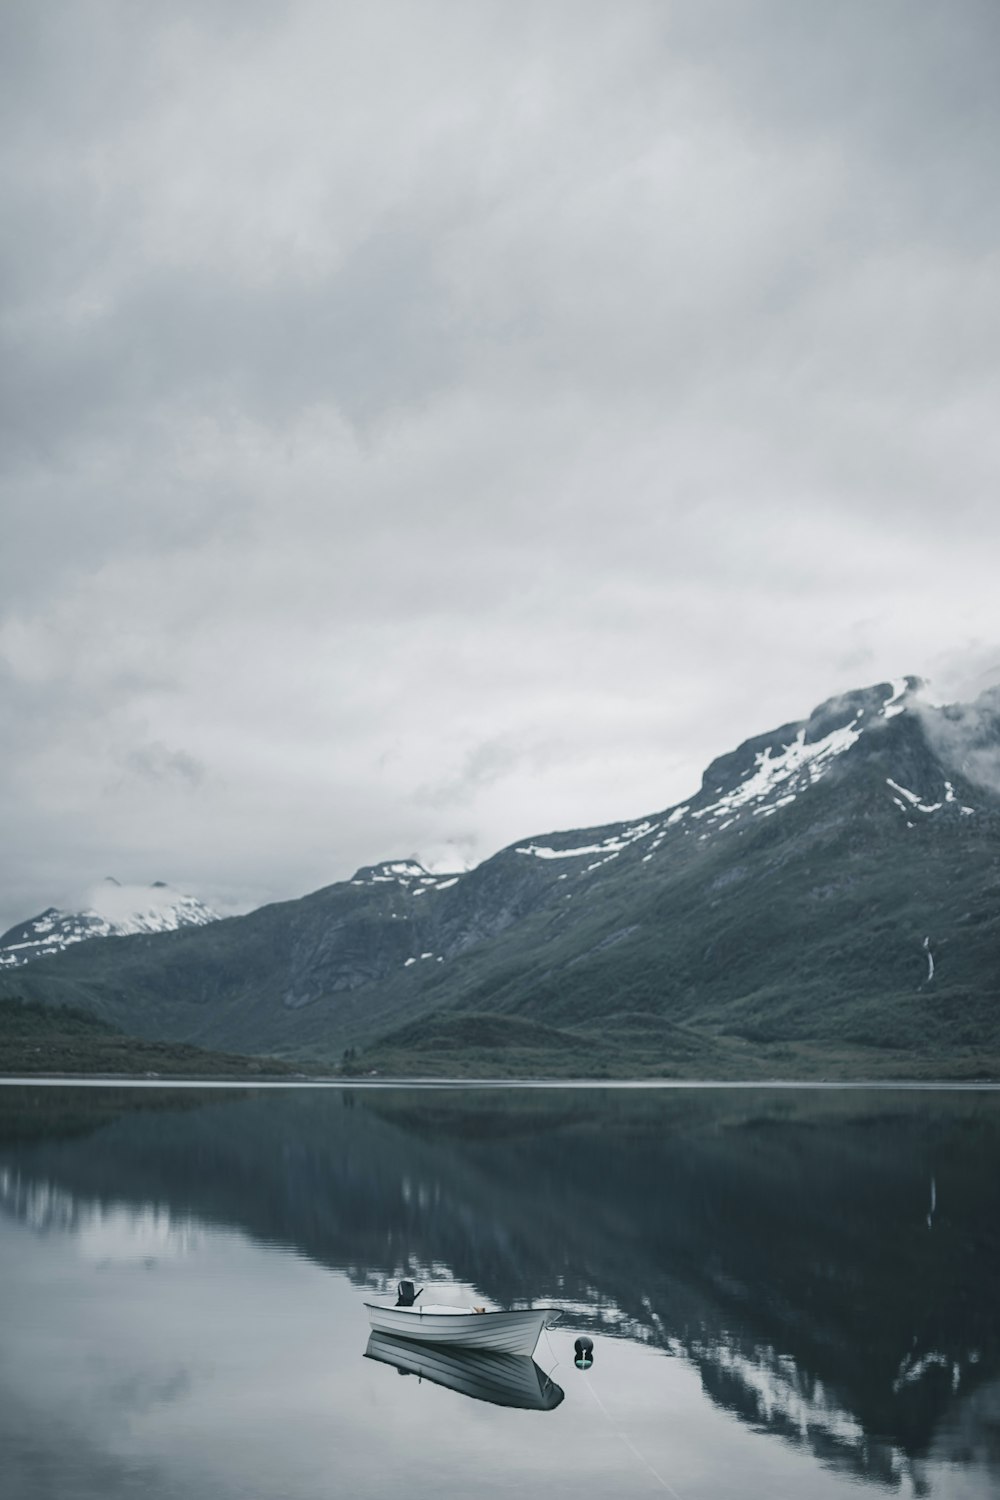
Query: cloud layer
x,y
424,426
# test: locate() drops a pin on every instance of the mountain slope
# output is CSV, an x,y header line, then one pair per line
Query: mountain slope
x,y
116,911
833,886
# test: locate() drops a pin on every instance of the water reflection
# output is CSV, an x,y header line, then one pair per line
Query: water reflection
x,y
500,1379
828,1265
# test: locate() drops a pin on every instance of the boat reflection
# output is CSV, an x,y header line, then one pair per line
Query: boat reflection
x,y
501,1379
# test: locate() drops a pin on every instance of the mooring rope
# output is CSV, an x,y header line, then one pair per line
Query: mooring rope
x,y
552,1352
611,1423
631,1446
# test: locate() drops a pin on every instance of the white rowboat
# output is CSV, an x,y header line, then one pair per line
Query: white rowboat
x,y
505,1332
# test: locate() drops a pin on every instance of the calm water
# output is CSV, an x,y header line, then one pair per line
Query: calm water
x,y
789,1294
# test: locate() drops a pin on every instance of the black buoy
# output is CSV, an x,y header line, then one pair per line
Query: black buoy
x,y
583,1355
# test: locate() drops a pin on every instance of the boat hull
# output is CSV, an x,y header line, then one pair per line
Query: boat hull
x,y
503,1332
482,1374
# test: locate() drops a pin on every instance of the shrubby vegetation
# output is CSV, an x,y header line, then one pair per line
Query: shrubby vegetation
x,y
457,1045
37,1039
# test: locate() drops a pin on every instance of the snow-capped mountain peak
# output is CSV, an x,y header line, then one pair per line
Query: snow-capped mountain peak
x,y
112,910
768,773
763,776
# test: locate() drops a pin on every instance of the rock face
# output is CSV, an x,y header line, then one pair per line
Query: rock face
x,y
834,882
118,911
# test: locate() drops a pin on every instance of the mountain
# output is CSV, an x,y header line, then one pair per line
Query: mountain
x,y
116,911
826,901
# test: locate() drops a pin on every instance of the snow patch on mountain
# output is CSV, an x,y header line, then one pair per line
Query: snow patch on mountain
x,y
540,852
789,770
909,802
390,872
893,705
912,798
407,875
608,847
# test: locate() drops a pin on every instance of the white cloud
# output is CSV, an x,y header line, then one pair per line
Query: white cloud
x,y
435,426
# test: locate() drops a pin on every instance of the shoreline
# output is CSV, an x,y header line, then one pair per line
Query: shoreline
x,y
130,1080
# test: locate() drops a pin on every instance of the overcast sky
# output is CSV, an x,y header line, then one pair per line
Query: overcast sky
x,y
433,423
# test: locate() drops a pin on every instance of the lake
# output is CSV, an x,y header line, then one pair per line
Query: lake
x,y
790,1293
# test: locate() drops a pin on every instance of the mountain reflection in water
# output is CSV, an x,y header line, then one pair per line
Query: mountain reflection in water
x,y
828,1262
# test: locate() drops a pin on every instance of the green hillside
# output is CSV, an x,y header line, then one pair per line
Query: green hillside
x,y
36,1039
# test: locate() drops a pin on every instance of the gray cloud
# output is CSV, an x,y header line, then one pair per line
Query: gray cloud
x,y
454,422
966,735
155,762
490,762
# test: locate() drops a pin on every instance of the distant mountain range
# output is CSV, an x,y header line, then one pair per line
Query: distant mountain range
x,y
828,900
117,911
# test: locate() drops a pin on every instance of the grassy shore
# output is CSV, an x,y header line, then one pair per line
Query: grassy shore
x,y
36,1039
